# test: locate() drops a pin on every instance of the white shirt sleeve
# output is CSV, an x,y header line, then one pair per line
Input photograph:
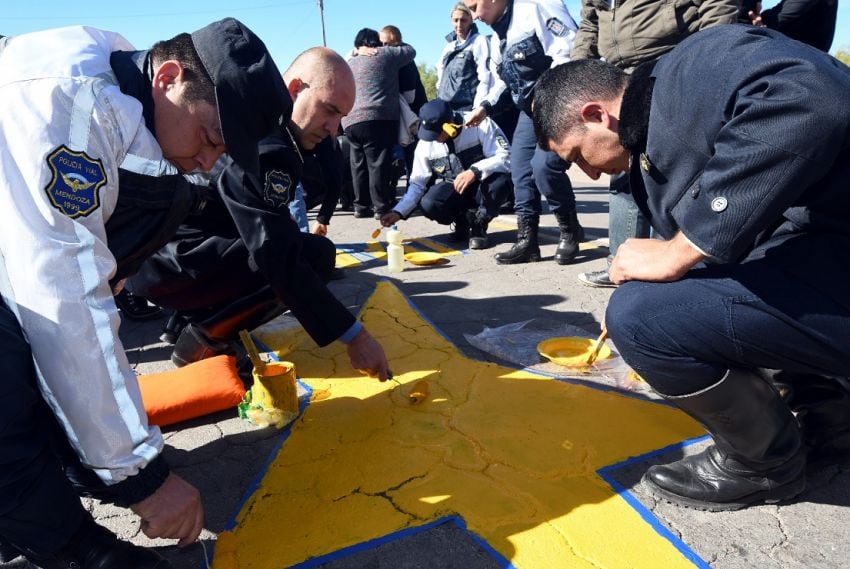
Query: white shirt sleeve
x,y
481,54
418,178
497,150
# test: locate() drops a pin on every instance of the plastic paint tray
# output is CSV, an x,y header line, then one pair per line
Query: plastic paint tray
x,y
571,351
424,258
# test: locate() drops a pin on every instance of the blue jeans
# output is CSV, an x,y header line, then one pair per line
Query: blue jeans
x,y
625,220
683,336
536,172
298,209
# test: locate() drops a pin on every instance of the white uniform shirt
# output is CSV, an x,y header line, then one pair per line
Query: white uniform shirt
x,y
494,145
65,128
534,18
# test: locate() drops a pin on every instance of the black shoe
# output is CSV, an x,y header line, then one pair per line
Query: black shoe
x,y
597,279
346,207
822,407
193,345
337,274
526,249
477,231
135,307
363,213
758,454
95,547
173,326
572,234
460,229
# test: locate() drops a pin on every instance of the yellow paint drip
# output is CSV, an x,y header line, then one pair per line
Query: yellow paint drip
x,y
513,453
418,393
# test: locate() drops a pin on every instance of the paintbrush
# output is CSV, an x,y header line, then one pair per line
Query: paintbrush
x,y
253,354
599,342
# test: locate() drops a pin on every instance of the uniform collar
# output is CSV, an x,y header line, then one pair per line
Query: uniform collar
x,y
503,23
634,110
134,72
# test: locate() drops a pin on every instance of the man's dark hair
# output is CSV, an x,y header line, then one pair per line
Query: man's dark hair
x,y
199,85
367,37
563,90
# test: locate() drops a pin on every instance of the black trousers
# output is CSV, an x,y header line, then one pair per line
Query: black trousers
x,y
201,275
371,155
443,204
39,508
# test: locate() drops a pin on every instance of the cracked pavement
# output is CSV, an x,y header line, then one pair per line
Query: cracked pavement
x,y
223,455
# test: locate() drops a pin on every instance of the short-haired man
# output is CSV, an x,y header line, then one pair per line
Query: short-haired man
x,y
243,261
738,143
94,139
471,166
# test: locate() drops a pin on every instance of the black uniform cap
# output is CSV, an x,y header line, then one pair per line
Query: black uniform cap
x,y
252,98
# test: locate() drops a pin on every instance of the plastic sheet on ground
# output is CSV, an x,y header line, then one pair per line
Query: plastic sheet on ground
x,y
517,343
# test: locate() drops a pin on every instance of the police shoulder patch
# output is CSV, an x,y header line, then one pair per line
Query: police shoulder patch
x,y
556,26
277,188
75,181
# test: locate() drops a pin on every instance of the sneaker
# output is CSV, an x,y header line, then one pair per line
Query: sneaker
x,y
135,307
597,279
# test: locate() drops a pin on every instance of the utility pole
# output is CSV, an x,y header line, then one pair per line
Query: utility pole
x,y
322,17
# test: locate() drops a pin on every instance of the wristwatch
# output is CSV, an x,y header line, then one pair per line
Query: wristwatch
x,y
476,172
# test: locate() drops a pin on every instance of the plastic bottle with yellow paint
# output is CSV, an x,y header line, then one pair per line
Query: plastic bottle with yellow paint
x,y
395,250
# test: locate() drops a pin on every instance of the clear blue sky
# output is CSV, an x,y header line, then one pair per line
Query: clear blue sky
x,y
287,26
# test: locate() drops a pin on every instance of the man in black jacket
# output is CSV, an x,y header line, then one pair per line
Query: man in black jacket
x,y
742,167
243,261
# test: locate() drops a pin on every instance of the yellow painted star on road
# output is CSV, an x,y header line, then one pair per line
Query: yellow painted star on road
x,y
514,454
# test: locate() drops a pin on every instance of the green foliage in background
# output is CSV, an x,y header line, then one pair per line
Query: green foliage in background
x,y
429,80
843,54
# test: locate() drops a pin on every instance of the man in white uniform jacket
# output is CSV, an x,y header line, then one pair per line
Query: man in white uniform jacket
x,y
471,166
81,114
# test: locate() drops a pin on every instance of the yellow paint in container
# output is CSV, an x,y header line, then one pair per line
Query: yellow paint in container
x,y
273,399
275,394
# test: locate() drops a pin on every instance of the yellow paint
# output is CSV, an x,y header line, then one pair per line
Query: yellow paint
x,y
419,392
571,351
513,453
274,395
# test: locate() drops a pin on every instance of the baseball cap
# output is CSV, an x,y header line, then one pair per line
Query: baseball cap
x,y
432,116
252,98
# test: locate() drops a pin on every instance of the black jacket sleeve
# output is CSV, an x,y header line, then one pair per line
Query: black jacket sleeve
x,y
275,245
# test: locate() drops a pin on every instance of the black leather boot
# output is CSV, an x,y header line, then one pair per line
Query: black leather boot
x,y
477,230
572,233
218,332
526,249
135,307
758,455
822,407
95,547
460,231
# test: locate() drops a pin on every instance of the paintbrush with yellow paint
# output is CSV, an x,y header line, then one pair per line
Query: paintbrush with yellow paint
x,y
273,398
599,343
